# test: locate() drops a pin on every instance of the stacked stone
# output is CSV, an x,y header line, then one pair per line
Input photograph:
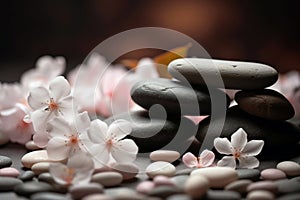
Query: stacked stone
x,y
163,124
261,112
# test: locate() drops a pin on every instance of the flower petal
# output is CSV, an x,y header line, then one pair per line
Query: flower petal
x,y
119,129
40,118
59,127
82,122
124,151
227,161
67,107
57,171
57,149
248,162
98,131
207,158
59,88
41,139
38,97
239,139
189,160
99,154
81,161
223,146
253,148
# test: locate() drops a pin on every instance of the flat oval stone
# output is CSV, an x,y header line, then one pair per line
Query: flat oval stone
x,y
260,195
239,186
97,197
196,186
5,161
27,175
108,179
32,187
163,180
8,183
4,139
124,193
186,171
292,196
252,174
272,174
180,180
81,190
145,187
265,103
175,97
46,177
156,132
9,172
49,195
277,135
179,197
164,155
222,195
163,191
30,145
218,177
40,167
160,168
33,157
290,168
235,74
288,186
128,170
263,185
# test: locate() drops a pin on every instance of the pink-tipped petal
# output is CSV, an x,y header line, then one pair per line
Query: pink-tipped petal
x,y
227,161
223,146
189,160
239,139
207,158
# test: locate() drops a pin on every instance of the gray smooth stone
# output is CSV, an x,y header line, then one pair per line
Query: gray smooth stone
x,y
180,180
292,196
175,97
5,161
288,186
9,183
164,191
252,174
27,175
81,190
234,74
32,187
179,197
239,186
155,132
185,171
265,103
281,138
48,196
46,177
222,195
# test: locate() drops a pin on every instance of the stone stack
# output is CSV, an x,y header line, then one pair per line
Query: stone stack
x,y
261,112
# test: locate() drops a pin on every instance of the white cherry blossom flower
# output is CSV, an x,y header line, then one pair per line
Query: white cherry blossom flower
x,y
78,170
48,103
240,150
66,137
109,143
205,159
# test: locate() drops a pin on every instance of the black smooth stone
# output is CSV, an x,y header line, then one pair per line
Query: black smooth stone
x,y
5,161
8,183
29,188
176,97
292,196
288,186
280,137
222,195
252,174
27,175
163,191
48,196
158,133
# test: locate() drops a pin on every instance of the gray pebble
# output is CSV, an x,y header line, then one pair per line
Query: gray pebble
x,y
48,196
46,177
32,187
163,191
124,193
27,175
186,171
179,197
288,186
108,179
239,186
297,178
252,174
179,181
263,185
5,161
81,190
8,183
222,195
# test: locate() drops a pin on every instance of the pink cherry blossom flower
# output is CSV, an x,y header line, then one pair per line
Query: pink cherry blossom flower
x,y
240,150
47,68
66,137
78,170
109,142
49,103
205,159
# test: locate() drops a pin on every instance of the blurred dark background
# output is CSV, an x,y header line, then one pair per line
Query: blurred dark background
x,y
262,31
